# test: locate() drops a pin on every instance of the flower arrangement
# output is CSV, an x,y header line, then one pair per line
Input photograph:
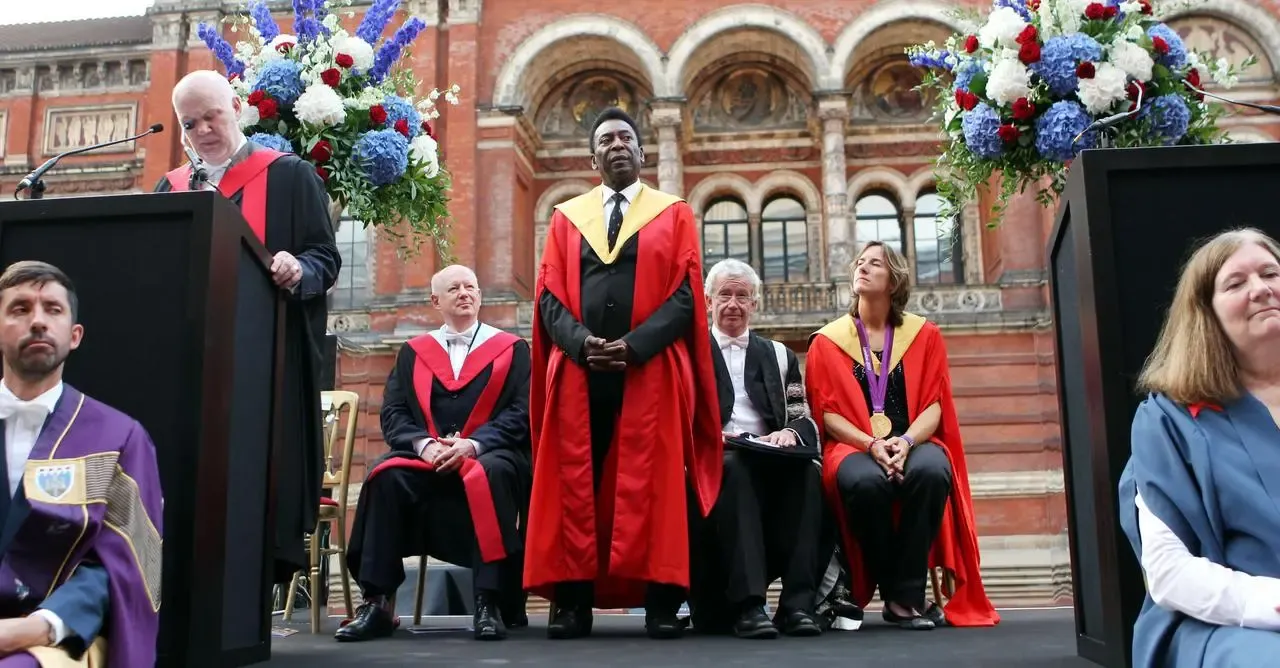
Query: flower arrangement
x,y
1019,94
338,101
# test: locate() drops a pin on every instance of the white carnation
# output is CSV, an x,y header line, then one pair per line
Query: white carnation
x,y
423,149
366,98
1002,29
1070,14
1133,59
1130,7
1105,88
320,105
1134,33
361,52
248,116
1009,81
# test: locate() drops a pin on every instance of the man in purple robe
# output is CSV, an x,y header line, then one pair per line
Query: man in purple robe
x,y
80,519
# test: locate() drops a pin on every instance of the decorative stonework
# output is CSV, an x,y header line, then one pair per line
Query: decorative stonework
x,y
76,127
930,300
752,155
872,20
1221,39
571,112
667,118
167,32
750,99
1247,16
834,112
888,95
427,10
347,322
464,11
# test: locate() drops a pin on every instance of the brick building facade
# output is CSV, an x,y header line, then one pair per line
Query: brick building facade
x,y
790,127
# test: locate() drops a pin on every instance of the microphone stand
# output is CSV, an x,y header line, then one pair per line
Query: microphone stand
x,y
35,185
1104,139
199,175
1270,109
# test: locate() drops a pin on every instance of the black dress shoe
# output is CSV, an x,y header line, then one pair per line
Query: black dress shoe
x,y
798,623
488,620
371,621
664,626
913,623
514,611
754,623
567,623
936,615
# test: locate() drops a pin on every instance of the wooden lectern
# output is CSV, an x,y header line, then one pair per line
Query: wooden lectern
x,y
184,332
1128,221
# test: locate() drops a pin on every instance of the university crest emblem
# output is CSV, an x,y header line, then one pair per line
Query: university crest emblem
x,y
55,480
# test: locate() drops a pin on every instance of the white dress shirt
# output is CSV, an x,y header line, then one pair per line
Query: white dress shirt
x,y
216,172
745,418
458,345
629,193
1199,588
23,421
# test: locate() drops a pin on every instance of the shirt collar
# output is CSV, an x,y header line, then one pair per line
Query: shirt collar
x,y
49,399
240,146
629,192
723,339
470,331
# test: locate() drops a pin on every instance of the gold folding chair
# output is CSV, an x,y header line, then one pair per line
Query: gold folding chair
x,y
332,510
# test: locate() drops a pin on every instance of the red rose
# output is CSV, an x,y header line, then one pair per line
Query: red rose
x,y
1133,89
966,100
1028,34
267,109
343,60
377,115
402,126
1095,11
1146,6
322,173
322,151
1033,5
234,76
430,131
1110,12
1029,53
1161,46
1193,78
1009,133
971,44
256,97
1023,109
1086,70
284,47
331,77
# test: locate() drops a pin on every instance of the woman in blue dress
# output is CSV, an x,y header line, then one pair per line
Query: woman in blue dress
x,y
1200,496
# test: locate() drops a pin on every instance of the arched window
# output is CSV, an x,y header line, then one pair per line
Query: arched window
x,y
725,232
939,253
878,219
784,241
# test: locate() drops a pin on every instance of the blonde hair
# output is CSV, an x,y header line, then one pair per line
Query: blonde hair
x,y
899,281
1193,360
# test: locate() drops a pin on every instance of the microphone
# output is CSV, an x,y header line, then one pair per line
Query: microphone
x,y
1270,109
32,181
199,175
1104,123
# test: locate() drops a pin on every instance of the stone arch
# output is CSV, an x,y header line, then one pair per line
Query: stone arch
x,y
789,182
722,184
810,44
880,177
872,20
512,89
1246,15
921,179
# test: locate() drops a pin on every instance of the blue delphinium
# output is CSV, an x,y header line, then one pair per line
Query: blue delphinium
x,y
932,60
305,25
966,72
1059,57
1019,6
398,108
982,131
263,22
390,50
1176,58
1169,117
375,20
1056,131
221,48
272,141
384,155
281,79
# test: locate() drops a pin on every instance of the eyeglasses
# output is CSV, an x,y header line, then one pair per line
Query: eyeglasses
x,y
725,298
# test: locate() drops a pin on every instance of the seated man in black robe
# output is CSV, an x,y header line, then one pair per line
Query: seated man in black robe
x,y
456,483
768,521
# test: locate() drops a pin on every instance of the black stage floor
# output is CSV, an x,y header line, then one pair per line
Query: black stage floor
x,y
1025,638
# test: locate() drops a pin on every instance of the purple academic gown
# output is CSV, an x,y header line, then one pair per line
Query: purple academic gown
x,y
94,492
1212,475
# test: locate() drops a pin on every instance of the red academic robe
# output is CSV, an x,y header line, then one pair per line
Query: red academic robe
x,y
832,388
635,532
249,174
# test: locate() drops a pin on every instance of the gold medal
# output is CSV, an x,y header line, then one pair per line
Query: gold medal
x,y
881,425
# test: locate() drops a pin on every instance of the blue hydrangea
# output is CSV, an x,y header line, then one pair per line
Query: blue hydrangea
x,y
384,155
1056,131
1169,117
1176,58
271,141
982,131
1059,57
398,108
281,79
965,73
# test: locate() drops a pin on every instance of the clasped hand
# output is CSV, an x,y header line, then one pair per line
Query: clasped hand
x,y
891,455
606,355
22,633
286,271
447,454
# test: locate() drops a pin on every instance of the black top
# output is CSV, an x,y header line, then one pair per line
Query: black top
x,y
895,397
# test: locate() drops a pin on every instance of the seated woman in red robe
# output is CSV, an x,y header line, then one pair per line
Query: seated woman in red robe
x,y
893,463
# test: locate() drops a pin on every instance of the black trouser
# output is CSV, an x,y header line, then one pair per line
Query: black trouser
x,y
407,512
897,557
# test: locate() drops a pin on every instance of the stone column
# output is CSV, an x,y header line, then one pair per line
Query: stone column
x,y
667,118
834,112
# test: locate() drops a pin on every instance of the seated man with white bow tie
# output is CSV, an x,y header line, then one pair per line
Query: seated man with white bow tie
x,y
455,413
80,516
768,520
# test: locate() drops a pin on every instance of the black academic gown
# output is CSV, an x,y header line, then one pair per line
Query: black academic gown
x,y
769,521
298,222
406,512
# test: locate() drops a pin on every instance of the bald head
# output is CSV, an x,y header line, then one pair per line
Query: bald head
x,y
208,110
450,275
455,291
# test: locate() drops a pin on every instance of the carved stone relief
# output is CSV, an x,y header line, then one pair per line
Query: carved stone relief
x,y
70,128
887,95
570,114
1224,40
750,99
82,76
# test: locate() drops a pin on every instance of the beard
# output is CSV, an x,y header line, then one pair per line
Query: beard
x,y
35,363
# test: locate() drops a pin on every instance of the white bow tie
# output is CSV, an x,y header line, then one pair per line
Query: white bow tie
x,y
740,341
11,406
451,338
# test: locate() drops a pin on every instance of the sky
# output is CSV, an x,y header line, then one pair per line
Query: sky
x,y
15,11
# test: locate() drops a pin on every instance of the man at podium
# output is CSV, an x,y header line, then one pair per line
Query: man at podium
x,y
292,221
81,516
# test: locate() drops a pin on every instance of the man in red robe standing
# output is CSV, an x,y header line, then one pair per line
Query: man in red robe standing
x,y
623,401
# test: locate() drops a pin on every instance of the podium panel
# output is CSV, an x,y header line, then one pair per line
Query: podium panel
x,y
1128,222
182,328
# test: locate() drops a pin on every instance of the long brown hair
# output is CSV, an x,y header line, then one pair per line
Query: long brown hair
x,y
899,281
1193,360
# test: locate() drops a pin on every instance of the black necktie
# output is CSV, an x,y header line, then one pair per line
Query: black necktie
x,y
615,219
